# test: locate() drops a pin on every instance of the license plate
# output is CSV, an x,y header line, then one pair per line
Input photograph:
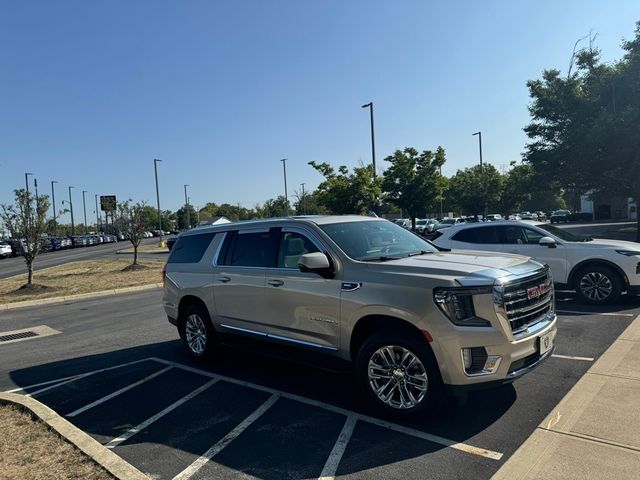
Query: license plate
x,y
545,342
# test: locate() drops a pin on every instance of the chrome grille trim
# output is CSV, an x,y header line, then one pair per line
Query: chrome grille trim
x,y
515,308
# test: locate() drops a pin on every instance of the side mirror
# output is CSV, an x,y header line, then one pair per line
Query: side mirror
x,y
548,242
316,262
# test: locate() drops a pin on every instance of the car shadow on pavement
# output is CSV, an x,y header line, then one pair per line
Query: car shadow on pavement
x,y
293,432
567,301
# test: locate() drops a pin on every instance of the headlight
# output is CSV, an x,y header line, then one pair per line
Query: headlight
x,y
629,253
457,304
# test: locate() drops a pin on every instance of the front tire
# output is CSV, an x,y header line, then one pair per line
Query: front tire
x,y
197,332
399,374
598,285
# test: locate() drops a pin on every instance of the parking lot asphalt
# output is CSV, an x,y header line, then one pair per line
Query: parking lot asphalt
x,y
118,371
16,266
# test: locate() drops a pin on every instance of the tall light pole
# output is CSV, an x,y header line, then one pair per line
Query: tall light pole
x,y
186,206
73,228
286,197
304,210
155,168
479,134
53,204
441,213
97,214
84,208
35,185
373,142
26,181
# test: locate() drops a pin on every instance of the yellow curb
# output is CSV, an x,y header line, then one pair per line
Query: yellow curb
x,y
78,296
104,457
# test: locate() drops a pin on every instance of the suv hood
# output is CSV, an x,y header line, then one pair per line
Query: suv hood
x,y
606,243
456,264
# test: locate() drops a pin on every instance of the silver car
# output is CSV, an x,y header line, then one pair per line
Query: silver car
x,y
413,319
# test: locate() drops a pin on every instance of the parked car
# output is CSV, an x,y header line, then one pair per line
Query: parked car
x,y
598,270
515,216
422,225
528,216
560,216
411,318
542,217
171,242
403,222
448,222
493,217
5,250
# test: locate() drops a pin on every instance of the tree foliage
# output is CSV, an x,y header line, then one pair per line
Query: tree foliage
x,y
26,222
584,129
343,192
130,220
475,189
413,182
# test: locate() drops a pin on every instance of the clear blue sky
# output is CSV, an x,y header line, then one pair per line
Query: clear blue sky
x,y
91,92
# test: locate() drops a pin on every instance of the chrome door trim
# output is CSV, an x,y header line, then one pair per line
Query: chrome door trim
x,y
244,330
350,286
278,337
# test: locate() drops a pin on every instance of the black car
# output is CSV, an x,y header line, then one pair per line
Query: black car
x,y
560,216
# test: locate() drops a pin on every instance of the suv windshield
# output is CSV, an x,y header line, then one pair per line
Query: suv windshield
x,y
563,234
376,240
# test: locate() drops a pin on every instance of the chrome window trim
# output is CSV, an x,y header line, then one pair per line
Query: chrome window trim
x,y
219,248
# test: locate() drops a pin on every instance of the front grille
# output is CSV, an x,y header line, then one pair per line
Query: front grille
x,y
523,311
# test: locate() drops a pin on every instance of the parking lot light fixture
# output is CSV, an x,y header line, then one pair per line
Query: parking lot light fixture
x,y
73,228
155,168
84,207
97,214
373,141
286,197
26,181
53,204
186,206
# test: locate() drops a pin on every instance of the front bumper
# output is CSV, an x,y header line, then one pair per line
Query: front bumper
x,y
517,356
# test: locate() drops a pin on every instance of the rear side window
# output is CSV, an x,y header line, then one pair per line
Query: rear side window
x,y
190,248
250,250
478,235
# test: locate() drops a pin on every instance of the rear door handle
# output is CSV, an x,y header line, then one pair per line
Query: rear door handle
x,y
275,283
224,279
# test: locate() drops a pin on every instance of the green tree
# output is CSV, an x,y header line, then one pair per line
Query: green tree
x,y
584,129
413,182
130,220
26,222
475,189
274,207
181,217
308,204
342,192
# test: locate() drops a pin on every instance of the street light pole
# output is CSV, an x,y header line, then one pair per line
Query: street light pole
x,y
441,213
304,210
53,203
73,228
155,168
479,134
373,142
97,214
186,202
286,197
84,208
26,181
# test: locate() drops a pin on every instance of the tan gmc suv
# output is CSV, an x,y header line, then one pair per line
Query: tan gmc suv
x,y
412,318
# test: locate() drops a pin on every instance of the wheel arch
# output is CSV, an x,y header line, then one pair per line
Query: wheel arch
x,y
596,262
184,304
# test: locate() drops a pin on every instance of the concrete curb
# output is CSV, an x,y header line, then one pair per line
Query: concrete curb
x,y
104,457
579,452
79,296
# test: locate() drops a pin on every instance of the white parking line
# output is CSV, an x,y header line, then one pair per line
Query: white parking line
x,y
482,452
568,357
65,380
138,428
606,314
226,440
331,465
117,392
49,382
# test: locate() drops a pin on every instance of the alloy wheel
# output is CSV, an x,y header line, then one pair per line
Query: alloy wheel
x,y
195,334
397,377
596,286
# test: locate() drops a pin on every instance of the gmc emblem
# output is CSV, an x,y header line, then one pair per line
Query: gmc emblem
x,y
538,290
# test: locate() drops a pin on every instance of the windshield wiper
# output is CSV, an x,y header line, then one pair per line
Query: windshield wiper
x,y
421,252
378,259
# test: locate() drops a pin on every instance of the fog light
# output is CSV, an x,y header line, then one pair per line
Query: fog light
x,y
466,358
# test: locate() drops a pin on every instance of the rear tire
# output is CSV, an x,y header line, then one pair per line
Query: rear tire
x,y
197,333
399,374
598,285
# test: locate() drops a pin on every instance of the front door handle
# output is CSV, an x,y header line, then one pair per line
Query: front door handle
x,y
224,279
275,283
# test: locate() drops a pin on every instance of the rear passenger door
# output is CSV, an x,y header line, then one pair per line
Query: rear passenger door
x,y
481,237
239,280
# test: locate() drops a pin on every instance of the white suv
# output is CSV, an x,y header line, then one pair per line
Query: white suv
x,y
598,270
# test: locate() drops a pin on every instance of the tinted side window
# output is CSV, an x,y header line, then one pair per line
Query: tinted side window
x,y
190,248
250,250
515,235
292,246
533,237
478,235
